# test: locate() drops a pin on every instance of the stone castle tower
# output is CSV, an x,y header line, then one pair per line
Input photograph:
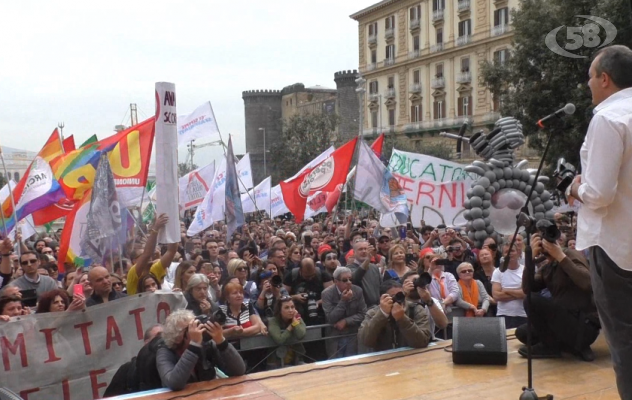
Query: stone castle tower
x,y
265,111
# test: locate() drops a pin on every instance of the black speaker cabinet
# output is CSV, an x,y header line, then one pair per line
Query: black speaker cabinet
x,y
479,341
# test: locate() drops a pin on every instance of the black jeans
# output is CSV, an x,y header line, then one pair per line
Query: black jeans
x,y
612,287
513,322
557,327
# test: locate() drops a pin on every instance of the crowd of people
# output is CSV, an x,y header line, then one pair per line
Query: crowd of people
x,y
372,289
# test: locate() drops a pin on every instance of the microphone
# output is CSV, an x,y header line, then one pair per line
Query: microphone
x,y
568,109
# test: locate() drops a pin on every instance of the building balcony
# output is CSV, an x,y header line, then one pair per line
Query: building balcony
x,y
413,54
436,47
414,24
463,40
370,132
464,5
464,77
390,93
500,3
372,40
415,88
500,30
389,61
371,66
437,15
492,116
437,83
389,33
374,97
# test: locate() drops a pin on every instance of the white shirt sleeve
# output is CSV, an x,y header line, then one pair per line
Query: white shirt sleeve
x,y
496,276
605,140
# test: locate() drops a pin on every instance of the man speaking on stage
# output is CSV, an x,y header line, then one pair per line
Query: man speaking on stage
x,y
605,189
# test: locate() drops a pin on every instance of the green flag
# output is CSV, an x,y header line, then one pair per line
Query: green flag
x,y
91,139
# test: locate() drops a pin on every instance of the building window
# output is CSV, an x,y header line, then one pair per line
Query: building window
x,y
439,35
465,106
373,56
373,88
391,117
16,176
389,22
373,29
391,82
465,64
465,28
374,119
501,17
415,13
497,102
439,109
415,113
438,5
390,52
416,43
439,71
416,76
501,56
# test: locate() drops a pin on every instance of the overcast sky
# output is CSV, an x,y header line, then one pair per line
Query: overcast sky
x,y
84,62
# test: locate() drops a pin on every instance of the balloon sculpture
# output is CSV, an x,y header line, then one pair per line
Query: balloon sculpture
x,y
501,190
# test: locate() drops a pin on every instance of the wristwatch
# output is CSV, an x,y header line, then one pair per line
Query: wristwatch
x,y
430,303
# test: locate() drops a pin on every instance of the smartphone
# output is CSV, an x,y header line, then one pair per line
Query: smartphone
x,y
206,254
188,247
442,261
372,241
402,232
409,258
78,289
29,297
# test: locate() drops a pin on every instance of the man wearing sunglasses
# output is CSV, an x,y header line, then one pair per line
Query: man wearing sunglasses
x,y
345,309
29,261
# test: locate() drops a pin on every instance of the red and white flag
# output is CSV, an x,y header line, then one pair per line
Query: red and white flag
x,y
325,176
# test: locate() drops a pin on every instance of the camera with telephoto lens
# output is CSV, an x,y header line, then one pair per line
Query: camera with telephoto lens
x,y
548,230
423,280
312,305
399,297
276,281
565,173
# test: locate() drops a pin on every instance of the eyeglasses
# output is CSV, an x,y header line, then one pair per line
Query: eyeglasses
x,y
28,262
285,298
345,280
48,252
240,269
466,271
117,284
383,241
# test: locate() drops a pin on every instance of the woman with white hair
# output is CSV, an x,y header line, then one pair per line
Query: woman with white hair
x,y
473,298
187,357
196,295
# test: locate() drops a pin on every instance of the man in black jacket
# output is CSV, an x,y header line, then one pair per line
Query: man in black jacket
x,y
567,320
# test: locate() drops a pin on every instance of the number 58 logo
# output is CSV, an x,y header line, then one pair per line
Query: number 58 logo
x,y
581,36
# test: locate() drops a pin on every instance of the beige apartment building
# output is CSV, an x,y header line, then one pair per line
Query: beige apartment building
x,y
422,59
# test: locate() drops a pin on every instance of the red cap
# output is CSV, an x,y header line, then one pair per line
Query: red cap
x,y
323,248
349,254
425,252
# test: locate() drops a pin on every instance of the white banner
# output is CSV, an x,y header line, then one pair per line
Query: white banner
x,y
203,214
219,184
167,161
245,174
261,197
435,188
194,185
200,123
277,204
73,355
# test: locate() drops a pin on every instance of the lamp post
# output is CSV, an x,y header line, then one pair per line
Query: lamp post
x,y
265,170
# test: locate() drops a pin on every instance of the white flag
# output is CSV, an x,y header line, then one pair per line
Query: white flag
x,y
322,157
277,205
194,186
260,195
27,226
245,174
316,204
200,123
203,215
219,185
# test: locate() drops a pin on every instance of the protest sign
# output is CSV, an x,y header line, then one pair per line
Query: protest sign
x,y
74,355
436,189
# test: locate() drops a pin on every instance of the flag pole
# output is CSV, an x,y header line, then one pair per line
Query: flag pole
x,y
15,215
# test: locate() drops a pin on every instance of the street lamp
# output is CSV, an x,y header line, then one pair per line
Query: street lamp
x,y
265,170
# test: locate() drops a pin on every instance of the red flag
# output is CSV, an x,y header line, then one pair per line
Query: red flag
x,y
69,144
377,146
325,177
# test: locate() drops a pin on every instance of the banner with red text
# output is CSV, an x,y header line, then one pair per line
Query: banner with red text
x,y
74,355
436,188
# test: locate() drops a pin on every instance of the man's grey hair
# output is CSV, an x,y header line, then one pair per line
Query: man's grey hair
x,y
341,270
195,280
616,61
149,331
174,326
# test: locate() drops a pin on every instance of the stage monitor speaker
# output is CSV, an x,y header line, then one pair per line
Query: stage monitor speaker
x,y
479,341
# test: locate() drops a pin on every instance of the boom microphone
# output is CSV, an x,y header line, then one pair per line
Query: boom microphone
x,y
568,109
460,140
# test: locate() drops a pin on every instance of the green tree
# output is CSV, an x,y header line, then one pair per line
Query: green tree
x,y
303,138
185,168
535,81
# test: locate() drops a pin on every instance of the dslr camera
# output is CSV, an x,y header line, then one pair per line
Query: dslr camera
x,y
423,280
276,281
548,230
565,173
218,316
399,297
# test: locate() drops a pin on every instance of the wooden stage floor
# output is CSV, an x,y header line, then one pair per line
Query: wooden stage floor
x,y
424,375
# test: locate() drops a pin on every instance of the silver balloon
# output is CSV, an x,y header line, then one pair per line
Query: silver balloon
x,y
505,206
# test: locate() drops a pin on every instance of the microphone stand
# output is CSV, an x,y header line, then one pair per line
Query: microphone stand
x,y
528,222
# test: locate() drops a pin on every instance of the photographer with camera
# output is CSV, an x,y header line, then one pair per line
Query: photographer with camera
x,y
188,356
415,288
272,290
305,285
395,322
344,308
458,253
567,320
